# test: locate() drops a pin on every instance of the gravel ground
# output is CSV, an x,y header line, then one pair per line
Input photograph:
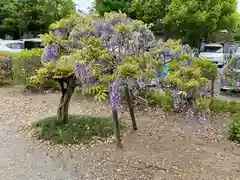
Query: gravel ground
x,y
164,147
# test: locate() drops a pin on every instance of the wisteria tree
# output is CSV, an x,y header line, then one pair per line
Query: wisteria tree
x,y
190,81
104,56
109,56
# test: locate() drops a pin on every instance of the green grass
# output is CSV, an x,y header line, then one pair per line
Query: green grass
x,y
234,130
223,106
80,129
233,109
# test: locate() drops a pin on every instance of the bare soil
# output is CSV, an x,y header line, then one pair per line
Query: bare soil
x,y
164,147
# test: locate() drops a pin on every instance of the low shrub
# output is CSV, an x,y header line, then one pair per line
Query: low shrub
x,y
37,82
79,129
232,108
26,67
164,100
34,85
5,70
223,106
159,98
234,130
25,64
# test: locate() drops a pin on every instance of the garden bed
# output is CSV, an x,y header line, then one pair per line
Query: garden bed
x,y
163,147
79,129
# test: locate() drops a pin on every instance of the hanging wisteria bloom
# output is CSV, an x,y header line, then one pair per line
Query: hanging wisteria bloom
x,y
82,72
189,61
57,32
201,120
114,94
178,102
238,64
189,114
51,51
167,55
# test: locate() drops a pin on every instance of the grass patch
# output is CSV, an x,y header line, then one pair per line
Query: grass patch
x,y
223,106
233,109
79,129
234,130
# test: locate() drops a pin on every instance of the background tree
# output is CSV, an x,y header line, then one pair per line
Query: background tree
x,y
236,32
112,5
195,20
151,11
22,16
148,11
224,36
3,15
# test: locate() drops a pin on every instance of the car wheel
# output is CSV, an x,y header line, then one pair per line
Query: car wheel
x,y
223,90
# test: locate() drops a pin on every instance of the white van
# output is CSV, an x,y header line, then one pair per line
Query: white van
x,y
215,53
32,43
14,46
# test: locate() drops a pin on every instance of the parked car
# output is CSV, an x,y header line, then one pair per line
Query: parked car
x,y
14,46
195,52
230,75
32,43
215,53
237,53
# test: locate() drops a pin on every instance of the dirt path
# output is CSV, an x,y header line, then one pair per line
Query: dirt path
x,y
163,147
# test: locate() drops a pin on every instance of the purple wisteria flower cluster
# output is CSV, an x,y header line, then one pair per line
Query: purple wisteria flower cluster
x,y
57,31
63,31
178,102
51,51
167,55
189,114
84,74
115,94
202,119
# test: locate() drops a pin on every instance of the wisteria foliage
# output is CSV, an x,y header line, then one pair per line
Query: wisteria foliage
x,y
107,52
191,85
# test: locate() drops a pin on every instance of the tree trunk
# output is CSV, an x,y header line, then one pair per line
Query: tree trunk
x,y
116,128
19,33
67,92
199,45
129,100
212,88
212,96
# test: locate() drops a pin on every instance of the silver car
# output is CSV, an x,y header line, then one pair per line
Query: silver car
x,y
230,75
237,53
215,53
13,46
